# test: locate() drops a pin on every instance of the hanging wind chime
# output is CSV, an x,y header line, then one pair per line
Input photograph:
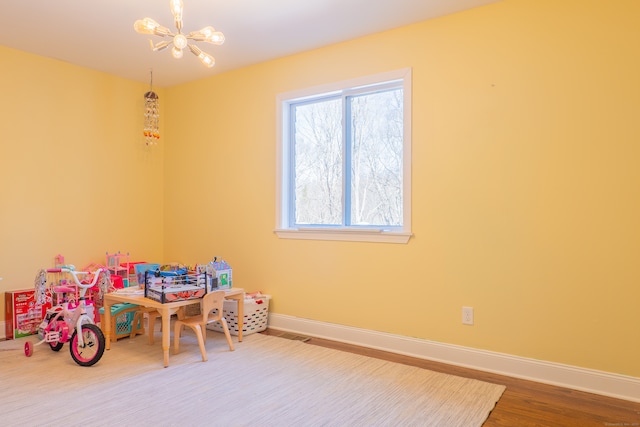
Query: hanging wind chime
x,y
151,115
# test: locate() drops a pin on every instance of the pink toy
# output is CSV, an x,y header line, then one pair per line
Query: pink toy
x,y
69,321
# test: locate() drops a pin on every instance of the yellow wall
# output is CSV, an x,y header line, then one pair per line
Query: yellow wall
x,y
525,184
525,177
75,175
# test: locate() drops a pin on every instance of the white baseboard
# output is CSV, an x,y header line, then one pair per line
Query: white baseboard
x,y
588,380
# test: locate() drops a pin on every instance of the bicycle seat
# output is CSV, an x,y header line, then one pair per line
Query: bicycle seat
x,y
63,289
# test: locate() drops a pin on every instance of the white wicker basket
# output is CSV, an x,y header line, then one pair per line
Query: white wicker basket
x,y
255,316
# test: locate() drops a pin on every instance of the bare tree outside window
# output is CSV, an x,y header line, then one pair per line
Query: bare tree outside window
x,y
349,175
376,167
318,163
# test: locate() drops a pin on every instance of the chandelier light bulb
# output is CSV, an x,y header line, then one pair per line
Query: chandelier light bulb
x,y
145,26
177,53
176,7
180,41
205,58
216,38
149,26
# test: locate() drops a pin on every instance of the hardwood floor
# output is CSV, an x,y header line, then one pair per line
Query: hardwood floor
x,y
524,403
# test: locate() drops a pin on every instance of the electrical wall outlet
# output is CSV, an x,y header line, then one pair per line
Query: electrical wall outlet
x,y
467,315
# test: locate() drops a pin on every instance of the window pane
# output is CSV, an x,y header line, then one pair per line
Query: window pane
x,y
318,162
376,138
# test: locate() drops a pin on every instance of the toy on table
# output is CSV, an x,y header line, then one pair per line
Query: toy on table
x,y
118,267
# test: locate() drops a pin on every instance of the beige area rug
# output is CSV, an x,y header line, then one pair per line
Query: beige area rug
x,y
266,381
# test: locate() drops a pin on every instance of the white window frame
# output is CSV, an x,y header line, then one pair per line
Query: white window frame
x,y
283,165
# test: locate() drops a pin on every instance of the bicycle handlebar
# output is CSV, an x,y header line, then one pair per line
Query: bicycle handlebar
x,y
75,275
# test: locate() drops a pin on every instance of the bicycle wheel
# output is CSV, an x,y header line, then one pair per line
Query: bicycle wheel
x,y
56,345
93,348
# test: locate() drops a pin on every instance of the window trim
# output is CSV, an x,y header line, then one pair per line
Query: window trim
x,y
283,166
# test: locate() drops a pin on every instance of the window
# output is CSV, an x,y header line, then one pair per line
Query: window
x,y
344,160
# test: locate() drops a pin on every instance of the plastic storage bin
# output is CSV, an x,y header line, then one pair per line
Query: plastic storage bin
x,y
122,320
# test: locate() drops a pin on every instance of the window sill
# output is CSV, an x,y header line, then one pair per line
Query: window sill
x,y
349,235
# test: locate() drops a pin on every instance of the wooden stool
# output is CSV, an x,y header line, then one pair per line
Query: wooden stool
x,y
152,315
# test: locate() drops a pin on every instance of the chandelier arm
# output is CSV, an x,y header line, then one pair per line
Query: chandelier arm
x,y
160,45
194,38
194,49
163,31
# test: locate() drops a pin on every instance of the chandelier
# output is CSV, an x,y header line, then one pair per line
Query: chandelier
x,y
151,115
178,40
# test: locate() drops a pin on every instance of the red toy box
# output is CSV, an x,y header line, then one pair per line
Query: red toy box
x,y
22,313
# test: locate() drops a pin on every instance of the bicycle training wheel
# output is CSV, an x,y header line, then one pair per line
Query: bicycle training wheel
x,y
58,326
93,348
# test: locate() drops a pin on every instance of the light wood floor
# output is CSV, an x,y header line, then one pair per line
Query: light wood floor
x,y
524,403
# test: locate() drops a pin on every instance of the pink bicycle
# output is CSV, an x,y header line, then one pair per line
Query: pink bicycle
x,y
67,322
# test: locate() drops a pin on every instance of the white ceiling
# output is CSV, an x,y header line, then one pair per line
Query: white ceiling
x,y
99,34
